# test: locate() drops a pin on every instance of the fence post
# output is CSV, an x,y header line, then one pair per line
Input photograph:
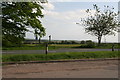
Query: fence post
x,y
46,51
113,47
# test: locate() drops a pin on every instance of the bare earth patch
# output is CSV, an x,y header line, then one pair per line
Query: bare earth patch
x,y
79,69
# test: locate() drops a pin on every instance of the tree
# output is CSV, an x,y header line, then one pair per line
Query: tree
x,y
18,18
89,41
82,42
102,22
39,34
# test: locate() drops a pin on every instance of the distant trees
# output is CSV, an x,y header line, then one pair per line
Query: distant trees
x,y
82,42
87,44
72,42
102,22
65,42
19,18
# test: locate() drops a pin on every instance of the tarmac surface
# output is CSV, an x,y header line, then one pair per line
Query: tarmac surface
x,y
51,51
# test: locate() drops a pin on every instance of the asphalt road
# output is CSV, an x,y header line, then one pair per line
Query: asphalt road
x,y
51,51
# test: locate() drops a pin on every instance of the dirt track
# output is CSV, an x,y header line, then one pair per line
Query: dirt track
x,y
80,69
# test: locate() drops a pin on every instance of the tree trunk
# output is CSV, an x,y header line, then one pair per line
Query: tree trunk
x,y
39,40
99,40
36,37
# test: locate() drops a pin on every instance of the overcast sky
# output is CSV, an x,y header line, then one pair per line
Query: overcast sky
x,y
60,18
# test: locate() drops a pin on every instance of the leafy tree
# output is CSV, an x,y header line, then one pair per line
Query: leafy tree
x,y
18,18
40,34
73,42
89,41
102,22
82,42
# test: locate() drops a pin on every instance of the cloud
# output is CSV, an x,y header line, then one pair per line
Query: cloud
x,y
70,16
83,0
50,13
62,25
48,6
61,0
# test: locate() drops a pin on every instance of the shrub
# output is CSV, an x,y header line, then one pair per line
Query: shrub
x,y
82,42
88,45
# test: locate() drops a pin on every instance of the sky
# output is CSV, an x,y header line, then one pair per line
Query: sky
x,y
60,20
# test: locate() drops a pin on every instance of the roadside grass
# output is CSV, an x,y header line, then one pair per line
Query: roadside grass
x,y
58,46
24,48
41,47
59,56
108,46
102,46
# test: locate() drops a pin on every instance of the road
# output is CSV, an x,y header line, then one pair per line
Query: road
x,y
79,69
51,51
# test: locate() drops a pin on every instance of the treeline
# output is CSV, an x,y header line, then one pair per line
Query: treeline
x,y
71,42
64,42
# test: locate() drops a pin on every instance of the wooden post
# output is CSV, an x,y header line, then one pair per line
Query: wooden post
x,y
46,51
113,47
49,39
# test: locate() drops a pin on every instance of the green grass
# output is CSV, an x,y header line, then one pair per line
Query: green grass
x,y
57,46
23,48
102,46
58,56
29,48
108,46
41,47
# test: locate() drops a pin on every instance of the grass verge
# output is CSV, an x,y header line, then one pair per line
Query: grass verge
x,y
58,46
59,56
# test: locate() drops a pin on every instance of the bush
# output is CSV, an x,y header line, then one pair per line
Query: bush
x,y
82,42
88,45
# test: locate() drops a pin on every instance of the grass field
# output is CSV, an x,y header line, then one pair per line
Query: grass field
x,y
41,47
56,46
58,56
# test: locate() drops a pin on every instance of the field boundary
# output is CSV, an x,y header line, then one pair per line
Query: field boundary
x,y
56,61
